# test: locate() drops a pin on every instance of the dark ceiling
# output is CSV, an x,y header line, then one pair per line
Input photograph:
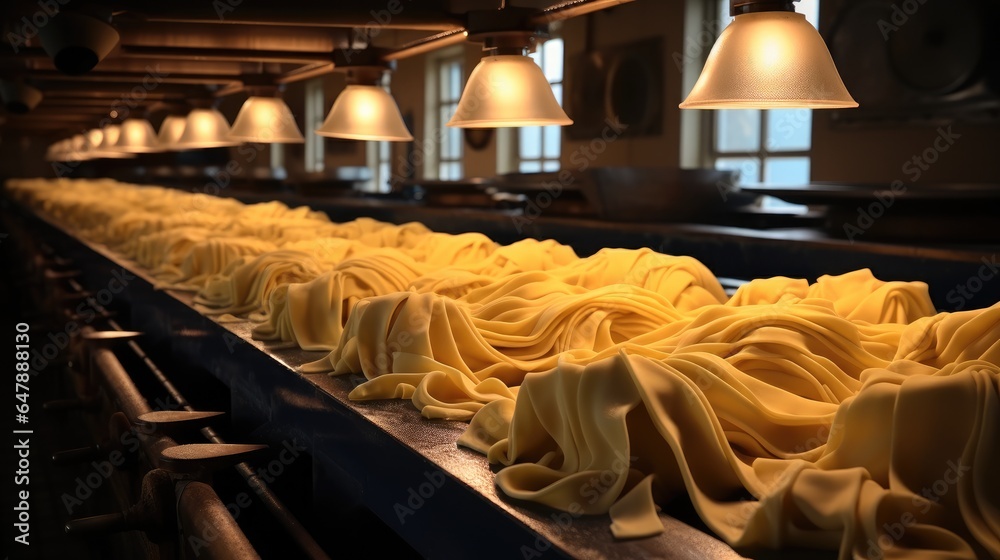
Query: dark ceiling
x,y
210,48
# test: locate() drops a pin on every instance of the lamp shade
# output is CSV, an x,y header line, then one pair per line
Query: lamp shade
x,y
205,128
56,151
92,146
137,137
19,98
266,120
766,60
365,113
76,41
171,131
507,91
77,148
102,143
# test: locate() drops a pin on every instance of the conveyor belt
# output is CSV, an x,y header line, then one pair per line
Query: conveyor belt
x,y
405,468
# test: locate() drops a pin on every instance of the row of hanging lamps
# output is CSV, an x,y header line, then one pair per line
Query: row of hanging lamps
x,y
364,110
769,57
75,148
507,88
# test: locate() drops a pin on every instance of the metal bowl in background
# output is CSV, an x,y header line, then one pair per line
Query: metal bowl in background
x,y
657,194
546,192
467,193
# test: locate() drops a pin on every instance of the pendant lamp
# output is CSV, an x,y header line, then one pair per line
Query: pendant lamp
x,y
769,57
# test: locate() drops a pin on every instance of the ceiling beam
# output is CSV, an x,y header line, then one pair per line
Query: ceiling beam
x,y
375,14
135,78
224,55
574,8
306,73
427,44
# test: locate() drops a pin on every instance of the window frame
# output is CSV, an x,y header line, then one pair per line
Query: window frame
x,y
711,153
765,152
315,114
518,158
436,130
378,158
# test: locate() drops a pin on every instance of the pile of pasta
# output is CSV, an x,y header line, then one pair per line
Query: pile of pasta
x,y
841,414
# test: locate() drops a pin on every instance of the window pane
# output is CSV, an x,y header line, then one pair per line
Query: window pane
x,y
384,177
553,60
557,91
737,130
550,166
786,171
383,151
444,114
454,150
446,137
530,167
809,8
443,89
456,170
724,17
530,142
553,138
789,129
455,81
537,56
749,169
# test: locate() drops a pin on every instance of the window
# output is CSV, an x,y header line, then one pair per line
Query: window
x,y
448,81
380,163
767,147
315,114
539,147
